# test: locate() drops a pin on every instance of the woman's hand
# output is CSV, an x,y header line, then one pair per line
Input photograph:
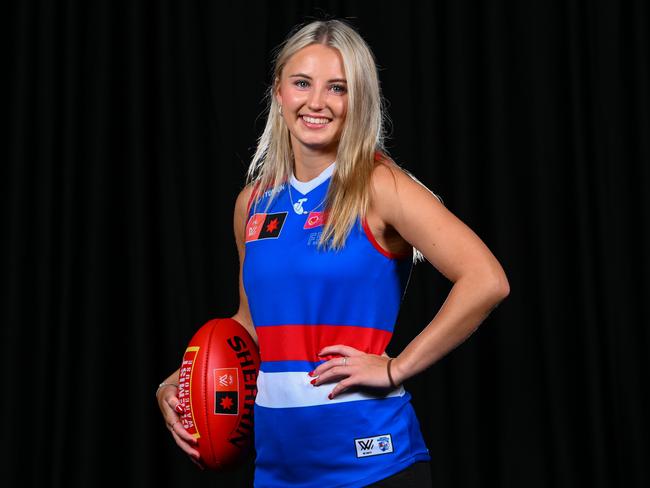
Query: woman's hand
x,y
171,409
357,368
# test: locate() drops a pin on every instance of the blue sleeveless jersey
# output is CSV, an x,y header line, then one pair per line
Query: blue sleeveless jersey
x,y
302,299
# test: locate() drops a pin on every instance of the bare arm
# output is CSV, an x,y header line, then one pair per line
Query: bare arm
x,y
167,396
452,248
480,283
243,315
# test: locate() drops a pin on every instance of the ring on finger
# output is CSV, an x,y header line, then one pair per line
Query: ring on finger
x,y
345,361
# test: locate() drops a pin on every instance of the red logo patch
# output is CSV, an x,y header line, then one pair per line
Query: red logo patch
x,y
265,226
315,219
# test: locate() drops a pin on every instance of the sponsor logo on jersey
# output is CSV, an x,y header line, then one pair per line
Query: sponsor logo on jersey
x,y
265,226
315,219
267,193
297,207
374,446
313,239
226,391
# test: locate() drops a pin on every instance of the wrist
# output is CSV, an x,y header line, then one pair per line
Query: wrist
x,y
393,382
164,385
397,373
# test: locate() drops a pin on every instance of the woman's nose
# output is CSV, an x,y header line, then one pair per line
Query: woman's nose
x,y
316,100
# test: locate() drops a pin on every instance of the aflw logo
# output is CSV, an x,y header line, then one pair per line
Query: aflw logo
x,y
366,445
373,446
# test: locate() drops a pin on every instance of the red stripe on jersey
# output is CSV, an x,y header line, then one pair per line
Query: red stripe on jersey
x,y
304,342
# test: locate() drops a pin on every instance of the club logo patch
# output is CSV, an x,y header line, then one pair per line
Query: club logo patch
x,y
374,446
226,391
315,219
265,226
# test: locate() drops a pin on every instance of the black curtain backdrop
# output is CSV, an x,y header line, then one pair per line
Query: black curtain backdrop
x,y
131,125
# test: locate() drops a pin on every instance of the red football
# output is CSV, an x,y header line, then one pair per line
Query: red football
x,y
217,387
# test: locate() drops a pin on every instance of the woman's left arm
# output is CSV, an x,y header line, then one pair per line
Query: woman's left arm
x,y
479,282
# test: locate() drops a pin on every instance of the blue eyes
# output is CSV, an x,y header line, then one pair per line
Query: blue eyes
x,y
336,88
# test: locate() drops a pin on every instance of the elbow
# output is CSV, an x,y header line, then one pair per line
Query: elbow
x,y
499,287
490,286
493,285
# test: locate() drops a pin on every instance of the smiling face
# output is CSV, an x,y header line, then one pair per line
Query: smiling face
x,y
312,91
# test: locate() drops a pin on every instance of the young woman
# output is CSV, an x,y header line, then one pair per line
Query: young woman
x,y
328,229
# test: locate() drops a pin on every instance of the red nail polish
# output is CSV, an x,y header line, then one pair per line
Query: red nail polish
x,y
330,396
313,382
311,373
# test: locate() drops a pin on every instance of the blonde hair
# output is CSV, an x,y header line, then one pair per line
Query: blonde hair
x,y
348,196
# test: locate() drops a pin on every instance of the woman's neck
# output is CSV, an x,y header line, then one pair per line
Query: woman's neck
x,y
308,166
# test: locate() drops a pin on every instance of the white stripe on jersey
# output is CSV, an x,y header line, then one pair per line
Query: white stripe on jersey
x,y
293,389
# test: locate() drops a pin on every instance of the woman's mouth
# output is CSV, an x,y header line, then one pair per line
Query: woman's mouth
x,y
315,122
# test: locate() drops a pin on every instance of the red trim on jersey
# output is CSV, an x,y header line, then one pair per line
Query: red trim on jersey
x,y
250,200
373,241
304,342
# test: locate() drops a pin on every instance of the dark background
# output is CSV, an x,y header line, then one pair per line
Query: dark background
x,y
131,125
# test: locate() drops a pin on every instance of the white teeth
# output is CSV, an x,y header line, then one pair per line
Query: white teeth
x,y
313,120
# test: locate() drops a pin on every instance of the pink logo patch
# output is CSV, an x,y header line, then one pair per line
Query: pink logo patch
x,y
315,219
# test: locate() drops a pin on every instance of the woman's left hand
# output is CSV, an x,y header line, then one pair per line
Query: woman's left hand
x,y
357,368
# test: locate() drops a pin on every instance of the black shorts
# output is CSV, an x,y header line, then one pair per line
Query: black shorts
x,y
417,475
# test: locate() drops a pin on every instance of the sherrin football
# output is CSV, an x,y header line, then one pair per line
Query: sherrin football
x,y
217,387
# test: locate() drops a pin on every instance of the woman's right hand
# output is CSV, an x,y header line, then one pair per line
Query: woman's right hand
x,y
172,409
168,402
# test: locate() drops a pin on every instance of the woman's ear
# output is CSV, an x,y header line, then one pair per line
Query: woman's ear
x,y
276,91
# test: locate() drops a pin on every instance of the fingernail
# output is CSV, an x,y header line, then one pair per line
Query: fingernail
x,y
311,373
313,382
179,408
330,396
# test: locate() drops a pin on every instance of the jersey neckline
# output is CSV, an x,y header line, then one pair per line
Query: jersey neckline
x,y
305,187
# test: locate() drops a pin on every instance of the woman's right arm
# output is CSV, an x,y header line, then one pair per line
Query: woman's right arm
x,y
167,396
243,315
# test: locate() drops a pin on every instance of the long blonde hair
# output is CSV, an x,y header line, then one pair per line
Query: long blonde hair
x,y
362,138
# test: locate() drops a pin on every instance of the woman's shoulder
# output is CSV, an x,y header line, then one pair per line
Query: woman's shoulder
x,y
384,207
244,198
385,175
395,192
395,184
388,181
242,207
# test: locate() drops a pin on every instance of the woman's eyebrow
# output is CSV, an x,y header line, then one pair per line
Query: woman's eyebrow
x,y
302,75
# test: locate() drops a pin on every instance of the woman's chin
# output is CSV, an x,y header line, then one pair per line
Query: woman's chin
x,y
321,144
